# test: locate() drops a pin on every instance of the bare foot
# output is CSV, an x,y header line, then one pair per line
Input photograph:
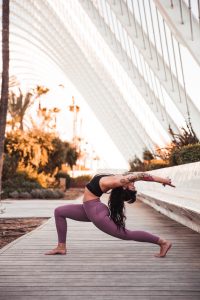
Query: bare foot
x,y
56,251
164,248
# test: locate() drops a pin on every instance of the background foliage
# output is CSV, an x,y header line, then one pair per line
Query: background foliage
x,y
33,158
184,148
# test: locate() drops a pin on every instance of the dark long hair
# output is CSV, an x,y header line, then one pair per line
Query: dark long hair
x,y
116,204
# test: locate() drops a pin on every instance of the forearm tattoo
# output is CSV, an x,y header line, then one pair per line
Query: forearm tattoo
x,y
123,181
145,177
129,179
136,177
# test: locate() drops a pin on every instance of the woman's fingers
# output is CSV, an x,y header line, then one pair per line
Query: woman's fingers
x,y
168,182
172,185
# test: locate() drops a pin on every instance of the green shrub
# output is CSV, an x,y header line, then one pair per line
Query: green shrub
x,y
14,195
80,181
19,183
136,165
47,194
21,186
186,137
24,195
37,194
153,166
186,154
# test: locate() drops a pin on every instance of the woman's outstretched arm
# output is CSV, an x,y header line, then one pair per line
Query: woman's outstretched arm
x,y
125,179
137,176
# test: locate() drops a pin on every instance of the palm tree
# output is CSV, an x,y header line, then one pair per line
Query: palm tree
x,y
5,79
17,107
19,103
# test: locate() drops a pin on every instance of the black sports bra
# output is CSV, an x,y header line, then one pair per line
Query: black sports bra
x,y
94,187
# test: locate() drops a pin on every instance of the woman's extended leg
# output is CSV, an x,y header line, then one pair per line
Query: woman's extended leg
x,y
98,213
71,211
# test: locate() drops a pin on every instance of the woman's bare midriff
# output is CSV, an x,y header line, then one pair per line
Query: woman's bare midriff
x,y
88,196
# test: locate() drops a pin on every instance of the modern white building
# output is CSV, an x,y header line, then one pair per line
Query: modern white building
x,y
136,63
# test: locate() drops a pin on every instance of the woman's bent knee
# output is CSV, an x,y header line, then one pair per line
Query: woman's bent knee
x,y
57,211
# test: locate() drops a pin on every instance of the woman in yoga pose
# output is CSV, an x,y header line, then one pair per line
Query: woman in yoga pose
x,y
110,219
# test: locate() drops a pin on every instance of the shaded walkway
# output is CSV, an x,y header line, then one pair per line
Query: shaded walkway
x,y
101,267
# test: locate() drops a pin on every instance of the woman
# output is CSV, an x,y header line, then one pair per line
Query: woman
x,y
111,219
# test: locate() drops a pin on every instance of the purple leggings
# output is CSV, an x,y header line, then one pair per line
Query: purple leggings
x,y
98,213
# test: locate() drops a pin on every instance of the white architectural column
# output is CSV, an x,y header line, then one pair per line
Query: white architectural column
x,y
183,24
177,92
137,131
66,52
131,70
61,44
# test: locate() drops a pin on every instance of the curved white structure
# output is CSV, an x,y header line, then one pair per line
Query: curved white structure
x,y
129,60
180,203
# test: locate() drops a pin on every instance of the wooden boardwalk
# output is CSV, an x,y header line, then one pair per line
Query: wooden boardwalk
x,y
99,266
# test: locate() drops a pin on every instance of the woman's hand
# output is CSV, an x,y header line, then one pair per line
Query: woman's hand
x,y
168,181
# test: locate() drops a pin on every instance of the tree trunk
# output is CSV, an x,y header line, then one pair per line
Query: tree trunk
x,y
5,81
21,117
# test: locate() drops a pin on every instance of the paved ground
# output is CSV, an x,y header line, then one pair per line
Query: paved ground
x,y
32,208
99,266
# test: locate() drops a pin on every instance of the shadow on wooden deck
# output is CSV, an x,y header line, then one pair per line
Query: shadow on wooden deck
x,y
99,266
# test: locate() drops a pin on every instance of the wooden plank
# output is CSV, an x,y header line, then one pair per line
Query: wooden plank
x,y
96,297
105,291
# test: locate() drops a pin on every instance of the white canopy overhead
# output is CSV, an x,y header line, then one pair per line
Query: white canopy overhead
x,y
131,61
